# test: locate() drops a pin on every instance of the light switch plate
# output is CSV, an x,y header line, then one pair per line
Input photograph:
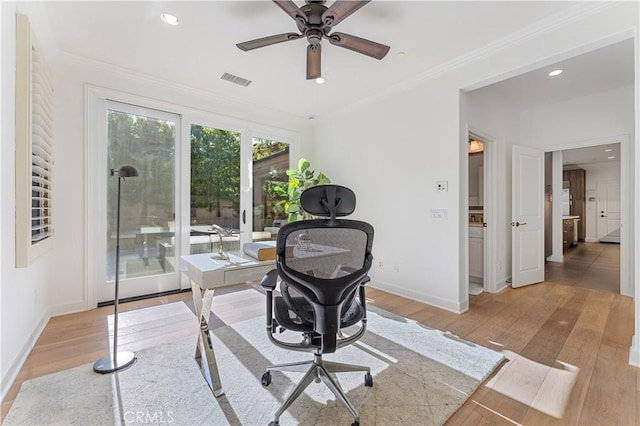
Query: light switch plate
x,y
442,185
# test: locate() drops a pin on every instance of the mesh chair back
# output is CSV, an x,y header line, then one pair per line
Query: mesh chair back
x,y
326,263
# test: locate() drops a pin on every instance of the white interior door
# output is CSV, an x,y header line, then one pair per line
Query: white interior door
x,y
608,218
527,226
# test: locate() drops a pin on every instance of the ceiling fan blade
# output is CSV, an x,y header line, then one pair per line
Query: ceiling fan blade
x,y
339,10
360,45
313,62
267,41
292,10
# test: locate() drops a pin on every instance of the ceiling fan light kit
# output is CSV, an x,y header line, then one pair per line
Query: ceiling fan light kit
x,y
315,22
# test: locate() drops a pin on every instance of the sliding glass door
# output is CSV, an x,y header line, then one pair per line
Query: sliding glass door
x,y
215,189
195,175
145,139
270,161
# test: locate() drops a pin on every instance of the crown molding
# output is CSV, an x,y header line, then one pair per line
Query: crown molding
x,y
162,83
543,26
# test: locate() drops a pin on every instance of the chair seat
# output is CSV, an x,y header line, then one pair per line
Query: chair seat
x,y
284,315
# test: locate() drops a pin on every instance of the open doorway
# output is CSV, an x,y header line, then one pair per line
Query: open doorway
x,y
475,151
591,207
481,169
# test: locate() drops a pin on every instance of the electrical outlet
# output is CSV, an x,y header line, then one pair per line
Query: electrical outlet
x,y
380,264
438,213
396,267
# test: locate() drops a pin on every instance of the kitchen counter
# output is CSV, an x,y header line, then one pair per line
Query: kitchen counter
x,y
570,230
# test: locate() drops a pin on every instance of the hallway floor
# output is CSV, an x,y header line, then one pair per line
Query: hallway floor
x,y
594,266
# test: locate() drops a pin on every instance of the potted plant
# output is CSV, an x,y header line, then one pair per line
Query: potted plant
x,y
299,180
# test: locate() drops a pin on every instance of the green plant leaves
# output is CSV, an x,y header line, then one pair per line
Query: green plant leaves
x,y
299,180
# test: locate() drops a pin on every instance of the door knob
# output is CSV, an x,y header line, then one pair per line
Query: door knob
x,y
518,223
602,215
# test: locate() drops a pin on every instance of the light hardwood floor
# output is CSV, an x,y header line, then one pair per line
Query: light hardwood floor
x,y
567,347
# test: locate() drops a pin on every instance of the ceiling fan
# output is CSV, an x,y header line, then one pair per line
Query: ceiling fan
x,y
315,22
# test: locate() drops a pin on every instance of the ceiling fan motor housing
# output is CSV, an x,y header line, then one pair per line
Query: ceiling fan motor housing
x,y
315,21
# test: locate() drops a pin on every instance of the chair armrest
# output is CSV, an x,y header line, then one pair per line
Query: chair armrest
x,y
270,280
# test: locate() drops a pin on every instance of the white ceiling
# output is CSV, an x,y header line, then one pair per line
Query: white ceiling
x,y
599,70
130,35
591,155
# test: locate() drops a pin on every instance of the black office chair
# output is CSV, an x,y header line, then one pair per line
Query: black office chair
x,y
323,266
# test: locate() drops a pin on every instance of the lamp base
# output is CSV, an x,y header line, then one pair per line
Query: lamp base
x,y
106,364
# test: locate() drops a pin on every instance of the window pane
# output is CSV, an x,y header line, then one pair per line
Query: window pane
x,y
147,206
270,164
215,188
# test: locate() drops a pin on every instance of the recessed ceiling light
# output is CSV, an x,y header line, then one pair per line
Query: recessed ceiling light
x,y
608,150
555,72
611,157
169,18
320,80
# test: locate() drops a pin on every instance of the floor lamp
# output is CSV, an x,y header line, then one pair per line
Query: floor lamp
x,y
117,360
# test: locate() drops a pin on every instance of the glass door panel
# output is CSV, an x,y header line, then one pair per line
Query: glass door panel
x,y
270,164
145,139
215,189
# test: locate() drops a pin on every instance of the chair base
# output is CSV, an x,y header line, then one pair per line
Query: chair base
x,y
317,370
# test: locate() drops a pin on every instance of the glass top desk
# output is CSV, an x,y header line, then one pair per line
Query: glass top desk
x,y
207,274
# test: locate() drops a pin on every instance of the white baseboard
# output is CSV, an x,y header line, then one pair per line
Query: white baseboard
x,y
590,240
634,352
11,374
67,308
554,258
503,284
447,305
476,280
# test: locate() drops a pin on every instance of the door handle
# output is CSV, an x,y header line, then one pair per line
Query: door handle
x,y
602,215
484,224
518,223
244,216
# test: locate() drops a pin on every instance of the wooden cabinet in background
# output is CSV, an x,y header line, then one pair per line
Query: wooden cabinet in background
x,y
576,179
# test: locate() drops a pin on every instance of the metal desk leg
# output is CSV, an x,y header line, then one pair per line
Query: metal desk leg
x,y
207,363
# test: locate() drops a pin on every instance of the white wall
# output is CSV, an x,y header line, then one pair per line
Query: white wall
x,y
23,292
491,113
393,148
590,117
608,113
607,117
390,149
55,284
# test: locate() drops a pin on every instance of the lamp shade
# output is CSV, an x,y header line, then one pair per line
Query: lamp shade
x,y
127,171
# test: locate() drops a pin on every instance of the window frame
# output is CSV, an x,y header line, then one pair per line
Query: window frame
x,y
34,161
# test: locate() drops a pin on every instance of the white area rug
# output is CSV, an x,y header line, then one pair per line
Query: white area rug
x,y
421,376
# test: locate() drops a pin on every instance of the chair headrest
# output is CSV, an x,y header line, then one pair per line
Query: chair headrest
x,y
328,201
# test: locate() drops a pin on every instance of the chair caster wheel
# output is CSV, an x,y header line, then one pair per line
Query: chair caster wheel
x,y
274,423
355,423
368,380
266,381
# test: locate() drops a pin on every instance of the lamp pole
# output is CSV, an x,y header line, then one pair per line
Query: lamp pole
x,y
117,360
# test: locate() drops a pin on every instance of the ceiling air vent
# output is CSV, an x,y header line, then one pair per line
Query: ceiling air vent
x,y
235,79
